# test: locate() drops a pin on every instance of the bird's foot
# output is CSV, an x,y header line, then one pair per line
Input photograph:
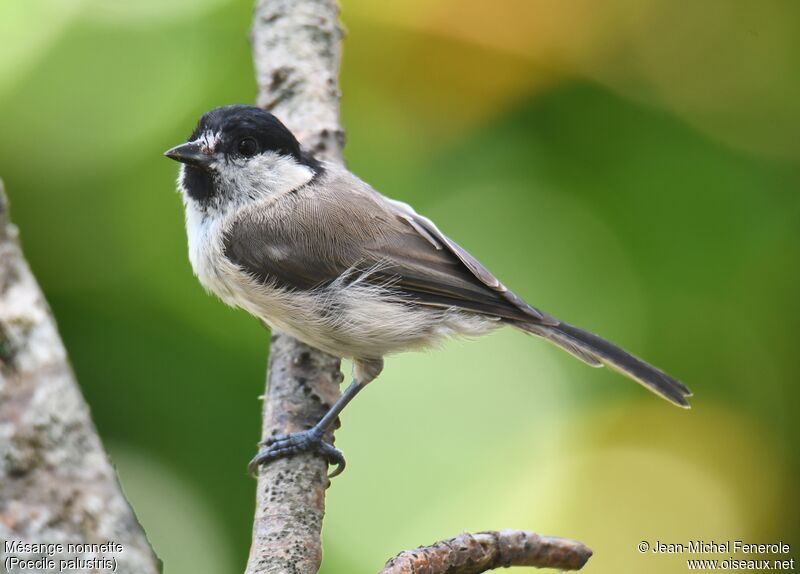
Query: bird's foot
x,y
283,445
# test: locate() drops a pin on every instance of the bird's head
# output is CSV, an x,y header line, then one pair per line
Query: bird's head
x,y
238,154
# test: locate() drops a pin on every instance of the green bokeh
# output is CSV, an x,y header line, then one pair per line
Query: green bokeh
x,y
612,212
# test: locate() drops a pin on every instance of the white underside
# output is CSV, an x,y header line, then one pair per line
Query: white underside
x,y
350,318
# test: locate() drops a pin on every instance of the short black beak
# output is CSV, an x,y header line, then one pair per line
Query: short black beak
x,y
190,153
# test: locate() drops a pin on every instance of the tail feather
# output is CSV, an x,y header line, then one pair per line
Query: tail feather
x,y
596,351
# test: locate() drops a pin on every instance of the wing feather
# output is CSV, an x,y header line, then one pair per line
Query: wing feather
x,y
343,224
428,229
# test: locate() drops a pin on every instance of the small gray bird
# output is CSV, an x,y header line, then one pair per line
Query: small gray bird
x,y
310,249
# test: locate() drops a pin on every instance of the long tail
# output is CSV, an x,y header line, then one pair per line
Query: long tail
x,y
597,352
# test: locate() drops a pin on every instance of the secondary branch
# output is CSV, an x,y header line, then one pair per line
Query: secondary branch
x,y
475,553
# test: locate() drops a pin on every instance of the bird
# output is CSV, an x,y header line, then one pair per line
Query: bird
x,y
310,249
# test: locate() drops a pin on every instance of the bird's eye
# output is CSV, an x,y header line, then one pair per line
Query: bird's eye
x,y
248,147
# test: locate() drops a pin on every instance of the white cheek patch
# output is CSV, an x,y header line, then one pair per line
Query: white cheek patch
x,y
265,175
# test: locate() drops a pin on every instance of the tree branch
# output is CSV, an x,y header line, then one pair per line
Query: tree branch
x,y
56,482
296,51
475,553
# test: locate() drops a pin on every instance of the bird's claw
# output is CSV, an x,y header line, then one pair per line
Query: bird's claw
x,y
283,445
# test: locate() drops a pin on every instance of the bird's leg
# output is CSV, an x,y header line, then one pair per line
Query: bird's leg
x,y
311,440
282,445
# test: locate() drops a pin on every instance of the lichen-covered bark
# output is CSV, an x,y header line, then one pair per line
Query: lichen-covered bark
x,y
56,482
475,553
296,51
291,492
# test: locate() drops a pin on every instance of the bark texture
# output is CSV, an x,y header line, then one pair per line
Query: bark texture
x,y
56,482
296,51
474,553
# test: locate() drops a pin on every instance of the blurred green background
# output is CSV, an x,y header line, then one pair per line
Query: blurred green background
x,y
631,167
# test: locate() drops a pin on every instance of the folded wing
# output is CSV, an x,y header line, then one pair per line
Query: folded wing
x,y
331,236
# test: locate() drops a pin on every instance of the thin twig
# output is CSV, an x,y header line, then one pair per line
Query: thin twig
x,y
475,553
296,49
56,483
